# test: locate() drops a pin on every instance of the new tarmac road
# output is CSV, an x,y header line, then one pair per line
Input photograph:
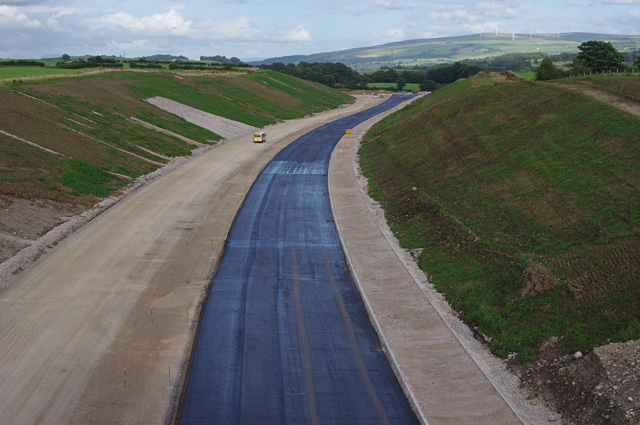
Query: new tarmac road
x,y
284,336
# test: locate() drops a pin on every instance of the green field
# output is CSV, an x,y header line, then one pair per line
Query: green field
x,y
527,75
13,72
521,202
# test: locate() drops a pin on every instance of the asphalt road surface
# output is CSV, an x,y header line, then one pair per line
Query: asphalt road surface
x,y
284,336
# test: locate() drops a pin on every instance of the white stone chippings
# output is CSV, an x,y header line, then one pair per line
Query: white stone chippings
x,y
228,129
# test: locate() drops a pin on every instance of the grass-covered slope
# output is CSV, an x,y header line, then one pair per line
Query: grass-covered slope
x,y
525,200
95,147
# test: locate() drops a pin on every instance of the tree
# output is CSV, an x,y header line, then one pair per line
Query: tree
x,y
449,74
600,56
578,67
401,83
637,62
547,71
428,85
66,57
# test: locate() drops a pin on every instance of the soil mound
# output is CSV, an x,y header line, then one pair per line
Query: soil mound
x,y
535,279
600,388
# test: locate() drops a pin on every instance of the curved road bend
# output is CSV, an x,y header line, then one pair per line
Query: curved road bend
x,y
284,336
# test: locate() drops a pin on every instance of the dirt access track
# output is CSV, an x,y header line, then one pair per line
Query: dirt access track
x,y
99,329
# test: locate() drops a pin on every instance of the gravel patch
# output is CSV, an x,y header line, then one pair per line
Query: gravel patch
x,y
228,129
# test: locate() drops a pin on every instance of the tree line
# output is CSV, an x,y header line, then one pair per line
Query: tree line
x,y
594,57
149,62
338,75
21,62
222,60
92,62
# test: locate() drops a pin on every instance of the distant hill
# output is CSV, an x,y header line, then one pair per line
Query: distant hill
x,y
432,51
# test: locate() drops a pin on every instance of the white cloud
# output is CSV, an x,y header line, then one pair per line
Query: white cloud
x,y
409,22
23,2
243,29
386,4
352,11
54,24
429,34
173,23
11,17
460,20
484,27
132,46
496,9
168,23
240,28
575,3
621,2
387,36
456,15
395,34
53,21
297,33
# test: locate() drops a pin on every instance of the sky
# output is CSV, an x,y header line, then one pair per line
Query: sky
x,y
258,29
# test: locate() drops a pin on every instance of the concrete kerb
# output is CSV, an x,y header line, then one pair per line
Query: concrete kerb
x,y
353,139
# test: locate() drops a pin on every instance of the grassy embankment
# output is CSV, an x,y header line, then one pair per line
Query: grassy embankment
x,y
622,85
525,200
87,118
